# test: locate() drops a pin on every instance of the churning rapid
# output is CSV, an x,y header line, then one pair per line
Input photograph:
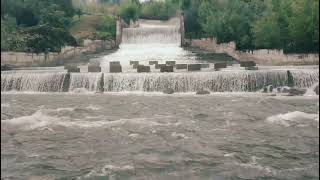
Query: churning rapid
x,y
64,132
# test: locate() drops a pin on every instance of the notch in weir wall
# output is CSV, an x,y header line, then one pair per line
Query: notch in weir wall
x,y
66,83
101,84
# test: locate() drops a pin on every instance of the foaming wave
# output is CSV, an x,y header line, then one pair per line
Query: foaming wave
x,y
109,170
44,118
144,122
93,107
36,120
292,118
310,91
5,105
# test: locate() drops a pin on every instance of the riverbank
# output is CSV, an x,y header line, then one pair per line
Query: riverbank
x,y
67,55
261,57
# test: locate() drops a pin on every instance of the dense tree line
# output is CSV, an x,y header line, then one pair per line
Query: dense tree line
x,y
36,25
292,25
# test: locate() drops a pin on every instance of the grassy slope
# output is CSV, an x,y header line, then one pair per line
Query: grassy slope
x,y
85,26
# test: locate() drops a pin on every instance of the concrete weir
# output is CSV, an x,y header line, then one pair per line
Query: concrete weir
x,y
166,69
194,67
221,81
143,69
181,66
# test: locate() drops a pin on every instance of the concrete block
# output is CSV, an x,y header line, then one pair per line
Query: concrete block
x,y
134,62
142,69
166,69
94,68
158,66
135,66
72,68
153,62
114,63
247,64
252,68
170,63
181,66
218,66
194,67
115,68
205,65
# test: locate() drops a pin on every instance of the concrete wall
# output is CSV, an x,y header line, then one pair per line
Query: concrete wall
x,y
263,56
119,30
182,29
68,52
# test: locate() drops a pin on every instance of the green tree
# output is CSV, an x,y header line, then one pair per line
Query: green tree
x,y
129,11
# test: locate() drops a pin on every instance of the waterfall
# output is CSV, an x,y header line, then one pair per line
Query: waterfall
x,y
223,81
88,81
305,78
228,81
145,35
34,82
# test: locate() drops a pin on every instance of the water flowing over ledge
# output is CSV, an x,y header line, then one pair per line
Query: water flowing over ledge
x,y
225,81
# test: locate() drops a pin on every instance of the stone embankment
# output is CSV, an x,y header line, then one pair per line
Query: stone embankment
x,y
261,57
18,59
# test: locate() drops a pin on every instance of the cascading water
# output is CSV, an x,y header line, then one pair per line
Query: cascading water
x,y
160,42
305,78
228,81
152,40
88,81
224,81
34,82
164,35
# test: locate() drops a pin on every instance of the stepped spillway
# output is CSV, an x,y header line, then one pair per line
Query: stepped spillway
x,y
224,81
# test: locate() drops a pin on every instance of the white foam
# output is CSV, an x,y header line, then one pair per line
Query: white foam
x,y
109,170
41,119
36,120
65,109
179,135
310,91
5,105
292,118
93,107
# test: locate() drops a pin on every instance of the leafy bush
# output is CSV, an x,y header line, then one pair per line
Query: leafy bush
x,y
108,24
129,11
102,35
43,38
158,10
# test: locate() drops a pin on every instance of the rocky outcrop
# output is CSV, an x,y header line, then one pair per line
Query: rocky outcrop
x,y
166,69
143,69
194,67
94,68
170,63
73,69
316,89
115,68
202,92
6,67
181,66
168,91
218,66
297,92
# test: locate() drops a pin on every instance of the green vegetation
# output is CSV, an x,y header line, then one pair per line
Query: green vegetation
x,y
129,11
42,25
93,27
158,10
36,26
48,25
292,25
